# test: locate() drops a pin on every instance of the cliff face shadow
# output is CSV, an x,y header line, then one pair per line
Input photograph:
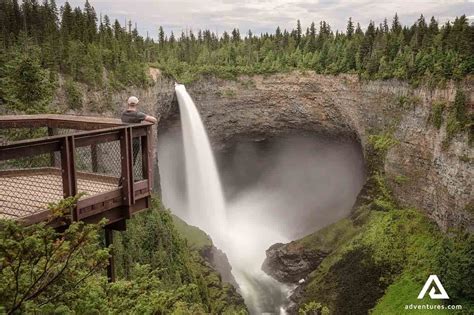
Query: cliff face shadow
x,y
297,183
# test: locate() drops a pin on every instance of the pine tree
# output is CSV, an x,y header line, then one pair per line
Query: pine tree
x,y
161,37
90,19
235,35
298,32
396,27
350,28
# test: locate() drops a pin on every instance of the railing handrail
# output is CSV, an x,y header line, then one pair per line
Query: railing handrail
x,y
55,120
56,140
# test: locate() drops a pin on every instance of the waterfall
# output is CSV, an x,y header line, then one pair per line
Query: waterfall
x,y
205,196
242,238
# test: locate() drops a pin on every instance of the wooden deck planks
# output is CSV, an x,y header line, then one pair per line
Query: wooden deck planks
x,y
24,195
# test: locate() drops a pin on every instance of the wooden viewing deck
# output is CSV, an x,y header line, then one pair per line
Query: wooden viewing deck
x,y
97,157
59,156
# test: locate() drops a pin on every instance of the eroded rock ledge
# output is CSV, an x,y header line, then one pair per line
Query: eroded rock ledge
x,y
291,263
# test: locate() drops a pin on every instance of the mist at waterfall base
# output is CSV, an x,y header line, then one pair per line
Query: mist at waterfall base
x,y
275,190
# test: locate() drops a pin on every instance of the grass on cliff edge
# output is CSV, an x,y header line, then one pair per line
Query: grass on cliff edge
x,y
383,263
196,238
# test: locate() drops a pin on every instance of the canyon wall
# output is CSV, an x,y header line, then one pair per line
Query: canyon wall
x,y
437,175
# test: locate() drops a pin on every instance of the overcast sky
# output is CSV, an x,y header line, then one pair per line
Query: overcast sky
x,y
265,15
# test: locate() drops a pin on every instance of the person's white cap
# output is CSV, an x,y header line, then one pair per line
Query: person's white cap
x,y
132,100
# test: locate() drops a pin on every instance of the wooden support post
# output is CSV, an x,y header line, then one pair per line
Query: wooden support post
x,y
53,132
131,167
68,170
109,240
126,161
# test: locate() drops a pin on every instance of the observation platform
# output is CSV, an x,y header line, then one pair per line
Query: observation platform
x,y
44,158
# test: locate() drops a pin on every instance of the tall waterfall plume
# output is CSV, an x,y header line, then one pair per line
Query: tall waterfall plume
x,y
202,179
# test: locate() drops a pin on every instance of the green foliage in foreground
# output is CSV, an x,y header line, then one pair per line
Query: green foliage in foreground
x,y
45,271
151,239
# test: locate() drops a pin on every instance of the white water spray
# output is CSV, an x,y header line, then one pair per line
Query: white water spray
x,y
243,239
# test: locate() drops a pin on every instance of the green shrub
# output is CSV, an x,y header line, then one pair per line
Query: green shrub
x,y
382,142
437,110
458,118
73,95
313,308
460,109
453,127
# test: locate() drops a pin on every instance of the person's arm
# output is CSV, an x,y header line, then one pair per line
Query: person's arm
x,y
151,119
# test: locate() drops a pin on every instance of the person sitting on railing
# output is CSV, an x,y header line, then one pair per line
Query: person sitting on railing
x,y
132,116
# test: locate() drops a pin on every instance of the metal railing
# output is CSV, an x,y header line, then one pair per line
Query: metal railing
x,y
109,164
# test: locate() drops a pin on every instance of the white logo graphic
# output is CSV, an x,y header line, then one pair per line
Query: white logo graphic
x,y
433,295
